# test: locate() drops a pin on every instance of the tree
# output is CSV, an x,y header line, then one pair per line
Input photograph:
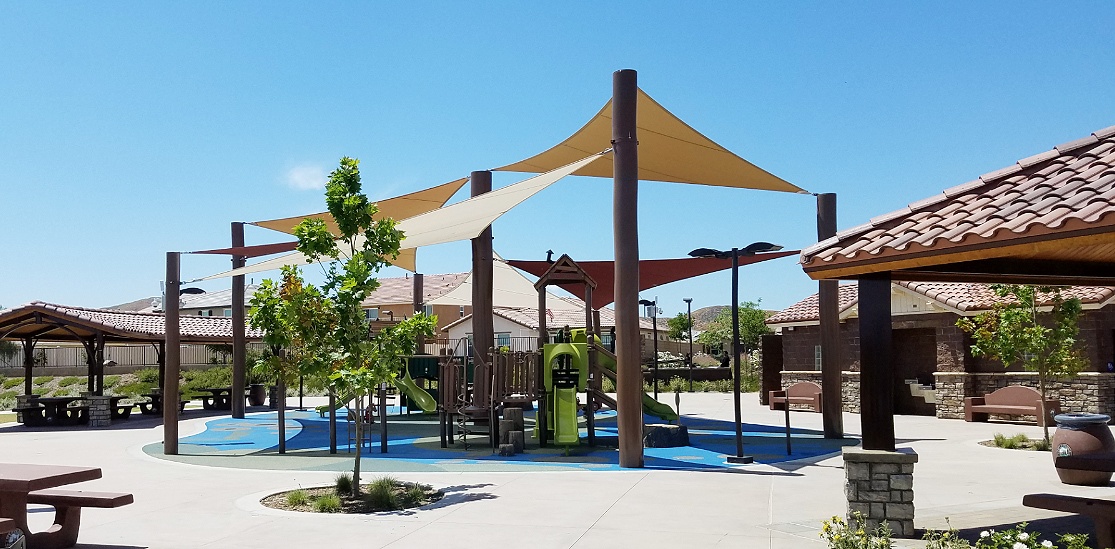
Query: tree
x,y
679,327
1015,331
752,327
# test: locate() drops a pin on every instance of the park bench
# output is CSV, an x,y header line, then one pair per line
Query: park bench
x,y
1013,400
122,411
1101,511
806,393
32,416
67,511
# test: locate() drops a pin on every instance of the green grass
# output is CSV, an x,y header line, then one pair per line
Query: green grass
x,y
135,388
297,497
327,504
111,381
1010,443
343,483
148,375
71,380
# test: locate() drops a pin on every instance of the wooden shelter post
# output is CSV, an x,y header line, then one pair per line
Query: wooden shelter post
x,y
876,374
173,353
590,340
829,302
28,363
239,341
99,364
483,331
543,339
419,302
625,221
160,355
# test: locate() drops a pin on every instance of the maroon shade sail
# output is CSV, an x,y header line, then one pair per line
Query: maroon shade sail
x,y
253,251
652,272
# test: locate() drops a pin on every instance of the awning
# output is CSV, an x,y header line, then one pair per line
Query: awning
x,y
509,289
669,150
652,272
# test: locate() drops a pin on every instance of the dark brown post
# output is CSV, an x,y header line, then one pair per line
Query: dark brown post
x,y
173,354
483,332
625,221
419,305
90,364
99,364
543,339
590,347
28,363
876,393
239,341
828,299
160,352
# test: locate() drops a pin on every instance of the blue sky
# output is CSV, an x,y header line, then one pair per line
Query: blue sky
x,y
131,129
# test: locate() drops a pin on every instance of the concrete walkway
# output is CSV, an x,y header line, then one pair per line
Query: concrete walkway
x,y
778,506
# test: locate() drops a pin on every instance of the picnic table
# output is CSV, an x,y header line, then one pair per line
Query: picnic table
x,y
22,483
155,407
219,398
58,411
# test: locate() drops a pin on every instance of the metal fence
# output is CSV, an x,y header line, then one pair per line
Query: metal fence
x,y
69,356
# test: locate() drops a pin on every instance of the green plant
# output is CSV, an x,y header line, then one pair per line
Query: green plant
x,y
111,381
329,503
296,498
1010,443
1013,538
855,534
381,494
8,350
12,382
1043,445
69,380
947,539
679,327
148,375
607,385
414,494
42,380
343,483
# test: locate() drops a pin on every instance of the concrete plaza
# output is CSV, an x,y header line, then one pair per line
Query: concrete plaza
x,y
781,505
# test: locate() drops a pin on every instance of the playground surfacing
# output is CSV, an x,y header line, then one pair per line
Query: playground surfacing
x,y
414,446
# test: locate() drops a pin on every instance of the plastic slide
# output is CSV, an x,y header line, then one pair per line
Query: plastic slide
x,y
650,406
341,402
416,394
566,432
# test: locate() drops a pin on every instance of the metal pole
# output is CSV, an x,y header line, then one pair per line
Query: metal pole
x,y
739,457
173,355
301,387
625,221
239,341
689,358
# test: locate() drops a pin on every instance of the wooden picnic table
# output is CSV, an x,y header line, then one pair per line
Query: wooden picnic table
x,y
57,412
19,479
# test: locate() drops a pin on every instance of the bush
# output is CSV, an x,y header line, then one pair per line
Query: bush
x,y
12,382
111,381
414,494
297,497
327,504
381,494
69,380
219,376
134,389
1010,443
343,483
148,375
43,380
855,534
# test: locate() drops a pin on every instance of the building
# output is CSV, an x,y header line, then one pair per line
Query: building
x,y
933,366
394,298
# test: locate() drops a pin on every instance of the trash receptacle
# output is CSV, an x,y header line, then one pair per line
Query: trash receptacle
x,y
1080,434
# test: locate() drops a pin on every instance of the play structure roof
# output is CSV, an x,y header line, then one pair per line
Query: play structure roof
x,y
669,150
652,272
1049,218
50,322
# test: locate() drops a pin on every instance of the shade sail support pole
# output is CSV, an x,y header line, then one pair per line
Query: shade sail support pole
x,y
625,221
239,342
876,373
828,297
483,330
173,354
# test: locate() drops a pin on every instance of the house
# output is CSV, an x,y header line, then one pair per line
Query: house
x,y
394,298
193,302
933,366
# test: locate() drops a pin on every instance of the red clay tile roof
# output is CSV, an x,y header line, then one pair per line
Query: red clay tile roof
x,y
962,296
1068,188
401,289
121,325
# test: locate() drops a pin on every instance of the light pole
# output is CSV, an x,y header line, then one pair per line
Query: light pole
x,y
654,330
689,358
750,249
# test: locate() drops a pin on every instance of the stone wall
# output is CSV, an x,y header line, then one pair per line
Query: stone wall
x,y
880,486
849,387
1091,392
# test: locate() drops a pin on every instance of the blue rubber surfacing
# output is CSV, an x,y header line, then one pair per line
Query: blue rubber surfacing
x,y
414,445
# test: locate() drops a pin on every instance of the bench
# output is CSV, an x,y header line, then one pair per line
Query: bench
x,y
806,393
67,513
122,411
1013,400
77,415
1102,512
149,409
33,416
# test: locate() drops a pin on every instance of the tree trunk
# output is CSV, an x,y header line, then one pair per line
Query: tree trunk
x,y
281,390
359,443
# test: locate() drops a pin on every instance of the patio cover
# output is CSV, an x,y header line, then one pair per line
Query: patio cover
x,y
669,150
461,221
50,322
652,272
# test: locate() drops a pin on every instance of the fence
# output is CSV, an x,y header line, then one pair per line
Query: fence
x,y
71,356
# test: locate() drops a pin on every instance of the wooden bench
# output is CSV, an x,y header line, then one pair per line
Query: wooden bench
x,y
1102,512
1014,400
806,394
67,513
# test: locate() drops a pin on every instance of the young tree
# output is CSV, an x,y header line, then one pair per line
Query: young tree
x,y
679,327
752,327
1014,331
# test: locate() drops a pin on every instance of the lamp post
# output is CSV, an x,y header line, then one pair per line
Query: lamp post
x,y
654,330
689,358
750,249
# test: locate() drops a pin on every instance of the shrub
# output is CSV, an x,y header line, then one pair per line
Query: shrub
x,y
12,382
329,503
381,494
133,389
414,494
69,380
219,376
43,380
111,381
343,483
1010,443
296,498
607,385
855,534
1042,445
1019,538
148,375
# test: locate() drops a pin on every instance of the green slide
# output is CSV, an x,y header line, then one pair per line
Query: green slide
x,y
416,394
566,432
650,406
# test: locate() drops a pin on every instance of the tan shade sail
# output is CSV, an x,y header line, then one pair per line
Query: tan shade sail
x,y
669,150
399,207
509,289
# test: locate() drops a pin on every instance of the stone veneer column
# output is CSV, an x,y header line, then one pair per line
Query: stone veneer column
x,y
100,410
23,401
880,485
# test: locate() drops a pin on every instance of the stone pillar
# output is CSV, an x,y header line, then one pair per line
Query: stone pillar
x,y
23,401
880,485
100,410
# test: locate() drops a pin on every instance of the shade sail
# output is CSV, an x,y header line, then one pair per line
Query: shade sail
x,y
669,150
252,251
399,207
461,221
652,272
509,289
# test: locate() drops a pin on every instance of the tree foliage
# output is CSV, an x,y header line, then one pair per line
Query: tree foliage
x,y
1014,331
679,327
752,327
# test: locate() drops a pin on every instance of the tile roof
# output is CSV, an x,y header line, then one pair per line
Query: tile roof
x,y
558,318
125,324
401,289
1068,188
962,296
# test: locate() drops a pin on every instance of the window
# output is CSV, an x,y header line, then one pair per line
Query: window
x,y
228,312
503,339
462,311
428,310
817,357
606,339
372,314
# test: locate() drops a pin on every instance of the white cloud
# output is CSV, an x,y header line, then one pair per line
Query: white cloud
x,y
307,177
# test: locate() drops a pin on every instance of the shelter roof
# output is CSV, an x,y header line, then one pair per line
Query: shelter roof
x,y
51,322
669,150
1047,218
652,272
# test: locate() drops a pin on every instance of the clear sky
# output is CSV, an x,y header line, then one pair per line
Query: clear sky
x,y
131,129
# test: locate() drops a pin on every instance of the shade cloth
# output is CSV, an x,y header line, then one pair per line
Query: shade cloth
x,y
669,150
509,289
652,272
